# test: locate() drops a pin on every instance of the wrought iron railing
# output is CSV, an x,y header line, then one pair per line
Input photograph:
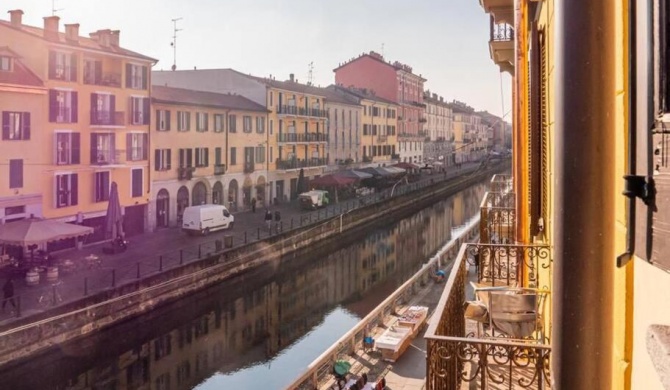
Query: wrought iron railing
x,y
501,32
301,111
510,264
298,163
498,216
302,137
454,357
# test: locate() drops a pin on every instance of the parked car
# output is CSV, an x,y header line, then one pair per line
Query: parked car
x,y
206,218
313,199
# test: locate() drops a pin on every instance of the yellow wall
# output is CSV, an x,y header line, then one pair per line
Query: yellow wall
x,y
369,141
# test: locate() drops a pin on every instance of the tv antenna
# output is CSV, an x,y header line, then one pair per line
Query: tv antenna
x,y
310,77
53,8
174,42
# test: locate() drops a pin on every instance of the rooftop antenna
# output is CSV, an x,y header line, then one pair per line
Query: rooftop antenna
x,y
311,73
53,8
174,42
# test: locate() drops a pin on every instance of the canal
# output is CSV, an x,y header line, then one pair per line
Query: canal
x,y
260,330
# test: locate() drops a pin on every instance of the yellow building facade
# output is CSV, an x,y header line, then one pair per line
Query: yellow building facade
x,y
93,123
207,148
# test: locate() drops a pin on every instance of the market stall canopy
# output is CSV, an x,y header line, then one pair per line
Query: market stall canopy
x,y
406,165
39,231
354,174
332,181
378,171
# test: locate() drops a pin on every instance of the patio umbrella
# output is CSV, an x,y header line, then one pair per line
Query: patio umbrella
x,y
34,231
332,181
114,217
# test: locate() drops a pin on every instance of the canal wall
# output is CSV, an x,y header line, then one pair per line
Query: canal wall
x,y
103,309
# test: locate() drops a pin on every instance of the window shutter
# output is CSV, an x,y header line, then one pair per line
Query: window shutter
x,y
189,157
157,159
206,157
94,109
94,148
158,120
128,75
169,159
112,109
74,189
53,105
182,157
25,120
73,67
97,69
129,147
145,78
5,125
145,146
75,148
145,111
534,147
217,156
55,191
167,119
544,183
52,65
75,107
16,173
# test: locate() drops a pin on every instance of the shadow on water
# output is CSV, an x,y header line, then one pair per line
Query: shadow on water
x,y
257,331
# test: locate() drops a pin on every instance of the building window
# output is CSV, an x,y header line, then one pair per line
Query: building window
x,y
15,173
66,190
103,107
163,120
218,123
247,124
232,123
233,156
260,154
162,347
62,66
63,106
137,182
183,121
15,126
163,381
185,158
102,187
163,159
217,157
201,121
201,157
103,148
140,110
67,148
136,76
260,124
136,146
5,64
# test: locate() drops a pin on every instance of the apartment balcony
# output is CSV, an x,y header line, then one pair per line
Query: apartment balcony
x,y
107,79
185,173
498,218
249,167
302,137
106,157
501,45
423,120
296,163
501,10
291,110
476,337
219,169
502,183
108,118
382,139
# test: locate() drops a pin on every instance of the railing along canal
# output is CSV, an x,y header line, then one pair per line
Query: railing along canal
x,y
322,367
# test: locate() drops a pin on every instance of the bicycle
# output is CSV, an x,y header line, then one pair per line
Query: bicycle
x,y
50,297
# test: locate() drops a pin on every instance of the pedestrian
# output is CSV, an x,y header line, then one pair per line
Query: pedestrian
x,y
8,294
277,220
253,204
268,219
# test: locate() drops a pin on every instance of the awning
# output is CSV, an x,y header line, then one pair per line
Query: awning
x,y
39,231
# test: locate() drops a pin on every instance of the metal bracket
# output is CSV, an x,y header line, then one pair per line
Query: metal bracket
x,y
640,187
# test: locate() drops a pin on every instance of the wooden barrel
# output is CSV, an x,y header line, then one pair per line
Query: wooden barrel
x,y
32,278
52,274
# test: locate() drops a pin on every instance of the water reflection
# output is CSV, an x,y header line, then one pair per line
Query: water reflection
x,y
258,331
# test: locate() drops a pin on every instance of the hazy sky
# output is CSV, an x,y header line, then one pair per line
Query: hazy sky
x,y
444,40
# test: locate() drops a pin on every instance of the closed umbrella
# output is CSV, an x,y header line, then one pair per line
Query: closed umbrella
x,y
114,224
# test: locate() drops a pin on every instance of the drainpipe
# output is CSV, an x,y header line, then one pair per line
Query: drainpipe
x,y
584,201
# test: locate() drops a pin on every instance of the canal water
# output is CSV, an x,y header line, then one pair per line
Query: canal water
x,y
258,331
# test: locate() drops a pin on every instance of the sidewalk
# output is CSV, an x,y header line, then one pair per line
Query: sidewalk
x,y
149,253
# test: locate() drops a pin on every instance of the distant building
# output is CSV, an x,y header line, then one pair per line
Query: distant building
x,y
343,128
439,130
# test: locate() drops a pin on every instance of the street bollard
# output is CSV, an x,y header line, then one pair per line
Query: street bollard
x,y
160,262
181,257
245,236
138,270
114,278
85,286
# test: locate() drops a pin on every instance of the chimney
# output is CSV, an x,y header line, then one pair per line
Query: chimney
x,y
103,37
435,96
15,16
441,99
114,36
291,77
72,32
51,27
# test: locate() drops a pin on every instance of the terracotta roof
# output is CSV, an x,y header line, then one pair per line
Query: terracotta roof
x,y
20,74
170,95
83,42
363,94
380,60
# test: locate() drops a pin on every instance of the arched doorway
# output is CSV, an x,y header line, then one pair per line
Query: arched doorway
x,y
246,192
232,194
162,208
182,203
199,194
260,190
217,193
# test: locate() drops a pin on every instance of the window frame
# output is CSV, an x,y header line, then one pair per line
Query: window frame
x,y
104,196
133,193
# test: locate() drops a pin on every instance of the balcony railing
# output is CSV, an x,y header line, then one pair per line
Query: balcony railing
x,y
301,111
106,78
498,218
249,167
455,357
108,118
501,32
302,137
300,163
381,139
105,157
219,169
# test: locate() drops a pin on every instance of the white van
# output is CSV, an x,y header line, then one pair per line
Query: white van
x,y
313,199
205,218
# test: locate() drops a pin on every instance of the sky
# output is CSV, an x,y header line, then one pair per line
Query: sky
x,y
446,41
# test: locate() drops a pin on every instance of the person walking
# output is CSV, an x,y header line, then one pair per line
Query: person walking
x,y
268,219
8,294
277,220
253,204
